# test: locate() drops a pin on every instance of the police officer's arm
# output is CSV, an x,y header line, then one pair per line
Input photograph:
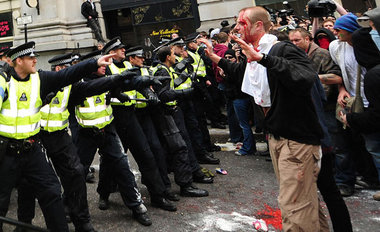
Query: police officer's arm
x,y
164,93
53,81
83,89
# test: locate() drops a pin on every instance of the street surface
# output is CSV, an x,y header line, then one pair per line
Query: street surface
x,y
248,192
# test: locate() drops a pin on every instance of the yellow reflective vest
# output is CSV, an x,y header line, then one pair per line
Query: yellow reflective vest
x,y
198,63
20,112
94,112
139,104
172,75
132,94
55,115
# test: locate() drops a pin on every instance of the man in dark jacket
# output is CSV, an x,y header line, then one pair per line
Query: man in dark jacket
x,y
290,117
88,10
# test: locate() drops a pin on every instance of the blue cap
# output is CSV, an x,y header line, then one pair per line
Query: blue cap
x,y
347,22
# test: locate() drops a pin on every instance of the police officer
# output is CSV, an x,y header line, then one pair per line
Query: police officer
x,y
193,126
130,132
169,120
95,132
144,113
203,100
21,152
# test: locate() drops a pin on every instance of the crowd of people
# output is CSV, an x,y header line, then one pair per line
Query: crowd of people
x,y
285,80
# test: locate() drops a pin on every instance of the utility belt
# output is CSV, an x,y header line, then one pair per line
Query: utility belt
x,y
94,131
17,146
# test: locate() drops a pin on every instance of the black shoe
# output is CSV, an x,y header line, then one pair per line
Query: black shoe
x,y
171,196
163,203
200,177
214,148
191,191
262,153
217,125
345,190
204,179
207,158
140,215
103,204
90,178
86,227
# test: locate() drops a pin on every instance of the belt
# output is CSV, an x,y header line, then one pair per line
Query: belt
x,y
18,146
94,131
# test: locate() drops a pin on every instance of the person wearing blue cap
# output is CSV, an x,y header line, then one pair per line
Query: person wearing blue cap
x,y
349,143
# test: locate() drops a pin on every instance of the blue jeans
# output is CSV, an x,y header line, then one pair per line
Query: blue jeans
x,y
242,107
236,133
372,143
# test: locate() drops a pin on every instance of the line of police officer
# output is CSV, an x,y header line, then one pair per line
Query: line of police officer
x,y
157,145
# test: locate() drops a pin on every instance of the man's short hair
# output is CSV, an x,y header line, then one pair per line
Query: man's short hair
x,y
222,37
304,33
163,52
328,20
258,13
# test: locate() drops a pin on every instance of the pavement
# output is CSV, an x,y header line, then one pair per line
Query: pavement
x,y
248,192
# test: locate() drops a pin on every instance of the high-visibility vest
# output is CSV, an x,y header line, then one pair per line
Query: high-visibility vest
x,y
94,112
132,94
140,104
20,112
55,116
172,75
198,64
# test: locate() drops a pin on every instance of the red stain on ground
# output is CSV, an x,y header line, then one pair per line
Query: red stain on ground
x,y
271,216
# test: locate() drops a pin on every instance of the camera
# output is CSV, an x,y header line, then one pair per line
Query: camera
x,y
321,8
284,13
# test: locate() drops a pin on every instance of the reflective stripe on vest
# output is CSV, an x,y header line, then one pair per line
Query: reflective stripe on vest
x,y
94,113
132,94
140,104
171,73
54,117
198,64
20,113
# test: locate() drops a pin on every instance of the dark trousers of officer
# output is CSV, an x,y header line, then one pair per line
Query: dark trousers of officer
x,y
114,161
179,119
33,166
144,117
201,107
133,138
178,152
338,211
63,154
192,126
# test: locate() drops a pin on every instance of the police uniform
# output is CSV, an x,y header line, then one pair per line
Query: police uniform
x,y
144,116
60,148
95,132
167,113
132,136
198,132
21,150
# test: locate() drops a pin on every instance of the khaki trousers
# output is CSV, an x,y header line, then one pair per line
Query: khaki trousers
x,y
296,168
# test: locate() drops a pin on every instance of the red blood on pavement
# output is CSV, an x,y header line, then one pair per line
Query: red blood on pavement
x,y
271,216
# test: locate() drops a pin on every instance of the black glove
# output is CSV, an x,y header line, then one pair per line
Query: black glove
x,y
122,97
128,74
153,100
184,93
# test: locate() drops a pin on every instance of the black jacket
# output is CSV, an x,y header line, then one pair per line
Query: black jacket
x,y
86,10
290,76
369,121
234,78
